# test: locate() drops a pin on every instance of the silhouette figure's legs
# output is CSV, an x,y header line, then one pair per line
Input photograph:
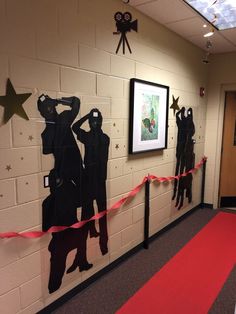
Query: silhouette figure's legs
x,y
180,195
80,259
87,205
102,205
57,262
87,213
181,180
176,173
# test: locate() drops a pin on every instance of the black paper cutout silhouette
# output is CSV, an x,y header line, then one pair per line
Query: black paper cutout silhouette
x,y
65,181
185,156
96,145
124,24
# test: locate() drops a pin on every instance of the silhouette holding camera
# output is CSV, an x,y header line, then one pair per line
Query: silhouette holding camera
x,y
65,182
124,24
185,157
96,145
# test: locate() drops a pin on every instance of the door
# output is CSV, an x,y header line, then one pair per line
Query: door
x,y
228,158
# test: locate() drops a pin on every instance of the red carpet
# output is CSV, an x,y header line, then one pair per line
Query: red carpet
x,y
190,282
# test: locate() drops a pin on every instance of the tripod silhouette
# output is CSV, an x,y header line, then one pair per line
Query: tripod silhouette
x,y
123,40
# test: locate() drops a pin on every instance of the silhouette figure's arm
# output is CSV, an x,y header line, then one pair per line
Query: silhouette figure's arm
x,y
75,106
77,127
68,116
180,114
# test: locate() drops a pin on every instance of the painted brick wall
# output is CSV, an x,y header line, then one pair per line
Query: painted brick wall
x,y
222,78
64,48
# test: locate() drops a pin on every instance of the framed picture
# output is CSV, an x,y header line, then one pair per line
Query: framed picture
x,y
148,124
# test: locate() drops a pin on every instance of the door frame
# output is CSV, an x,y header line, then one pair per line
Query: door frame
x,y
224,88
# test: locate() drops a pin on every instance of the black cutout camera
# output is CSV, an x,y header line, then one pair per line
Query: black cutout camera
x,y
124,24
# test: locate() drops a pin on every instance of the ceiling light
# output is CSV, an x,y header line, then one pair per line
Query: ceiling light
x,y
209,34
204,25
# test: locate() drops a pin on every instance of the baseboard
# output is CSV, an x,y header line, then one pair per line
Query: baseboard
x,y
175,222
70,294
206,205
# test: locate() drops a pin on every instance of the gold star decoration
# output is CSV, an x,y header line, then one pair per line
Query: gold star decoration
x,y
175,105
30,138
8,167
12,103
117,146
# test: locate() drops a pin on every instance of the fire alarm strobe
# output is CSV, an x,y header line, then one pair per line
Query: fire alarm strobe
x,y
124,24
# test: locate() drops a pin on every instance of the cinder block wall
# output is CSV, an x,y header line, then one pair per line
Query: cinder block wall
x,y
65,48
222,78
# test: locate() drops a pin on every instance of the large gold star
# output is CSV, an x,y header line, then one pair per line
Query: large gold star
x,y
175,105
12,103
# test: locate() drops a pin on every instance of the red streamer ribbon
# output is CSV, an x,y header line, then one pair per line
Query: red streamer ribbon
x,y
170,178
118,204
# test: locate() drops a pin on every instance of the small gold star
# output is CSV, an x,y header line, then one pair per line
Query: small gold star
x,y
21,133
30,138
26,183
175,105
22,158
1,195
117,146
114,124
8,167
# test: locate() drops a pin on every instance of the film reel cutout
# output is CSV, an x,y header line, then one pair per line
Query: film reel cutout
x,y
118,16
127,17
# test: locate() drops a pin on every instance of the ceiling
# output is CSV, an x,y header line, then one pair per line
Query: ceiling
x,y
183,20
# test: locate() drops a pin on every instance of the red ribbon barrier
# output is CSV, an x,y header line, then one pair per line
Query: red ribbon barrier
x,y
118,204
163,179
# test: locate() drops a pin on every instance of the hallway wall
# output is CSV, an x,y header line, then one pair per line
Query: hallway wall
x,y
66,48
222,77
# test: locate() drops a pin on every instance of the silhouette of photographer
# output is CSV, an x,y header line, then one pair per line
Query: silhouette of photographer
x,y
96,145
184,156
60,207
181,140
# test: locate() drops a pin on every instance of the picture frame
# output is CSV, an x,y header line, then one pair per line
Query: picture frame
x,y
148,118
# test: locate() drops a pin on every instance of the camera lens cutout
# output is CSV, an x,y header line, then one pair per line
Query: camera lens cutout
x,y
118,16
127,17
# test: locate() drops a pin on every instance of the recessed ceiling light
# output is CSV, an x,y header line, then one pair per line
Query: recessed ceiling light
x,y
209,34
204,25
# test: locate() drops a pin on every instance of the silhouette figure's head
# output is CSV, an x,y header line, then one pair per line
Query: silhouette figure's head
x,y
95,119
190,112
47,107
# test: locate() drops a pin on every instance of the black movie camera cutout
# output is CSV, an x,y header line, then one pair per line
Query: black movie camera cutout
x,y
124,24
